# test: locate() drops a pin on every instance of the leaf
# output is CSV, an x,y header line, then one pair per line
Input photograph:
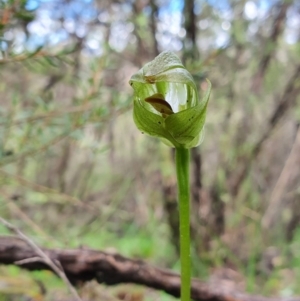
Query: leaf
x,y
51,60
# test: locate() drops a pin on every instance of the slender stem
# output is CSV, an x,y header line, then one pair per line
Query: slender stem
x,y
182,169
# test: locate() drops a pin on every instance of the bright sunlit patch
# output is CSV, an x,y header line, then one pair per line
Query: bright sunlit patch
x,y
69,25
250,10
226,25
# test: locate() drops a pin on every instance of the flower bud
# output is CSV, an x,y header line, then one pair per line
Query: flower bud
x,y
166,102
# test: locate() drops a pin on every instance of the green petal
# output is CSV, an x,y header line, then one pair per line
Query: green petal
x,y
187,125
165,68
197,140
163,62
150,123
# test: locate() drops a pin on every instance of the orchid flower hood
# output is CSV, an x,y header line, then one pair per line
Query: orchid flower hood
x,y
166,102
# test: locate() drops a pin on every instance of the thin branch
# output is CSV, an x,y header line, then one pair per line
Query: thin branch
x,y
272,40
82,265
276,201
288,100
12,206
53,114
41,188
43,257
23,57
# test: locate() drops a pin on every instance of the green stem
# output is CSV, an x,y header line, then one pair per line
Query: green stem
x,y
182,170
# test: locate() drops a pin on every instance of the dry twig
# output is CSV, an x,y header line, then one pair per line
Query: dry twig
x,y
82,265
42,257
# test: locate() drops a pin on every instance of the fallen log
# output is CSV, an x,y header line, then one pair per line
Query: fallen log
x,y
82,265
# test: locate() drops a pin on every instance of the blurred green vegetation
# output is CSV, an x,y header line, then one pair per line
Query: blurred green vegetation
x,y
74,171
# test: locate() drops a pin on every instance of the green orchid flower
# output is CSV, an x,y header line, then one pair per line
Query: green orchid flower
x,y
166,102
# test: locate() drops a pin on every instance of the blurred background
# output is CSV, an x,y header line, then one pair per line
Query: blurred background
x,y
75,172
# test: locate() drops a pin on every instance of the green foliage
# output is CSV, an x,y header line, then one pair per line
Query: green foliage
x,y
75,171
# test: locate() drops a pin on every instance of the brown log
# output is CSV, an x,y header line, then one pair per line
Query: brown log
x,y
82,265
